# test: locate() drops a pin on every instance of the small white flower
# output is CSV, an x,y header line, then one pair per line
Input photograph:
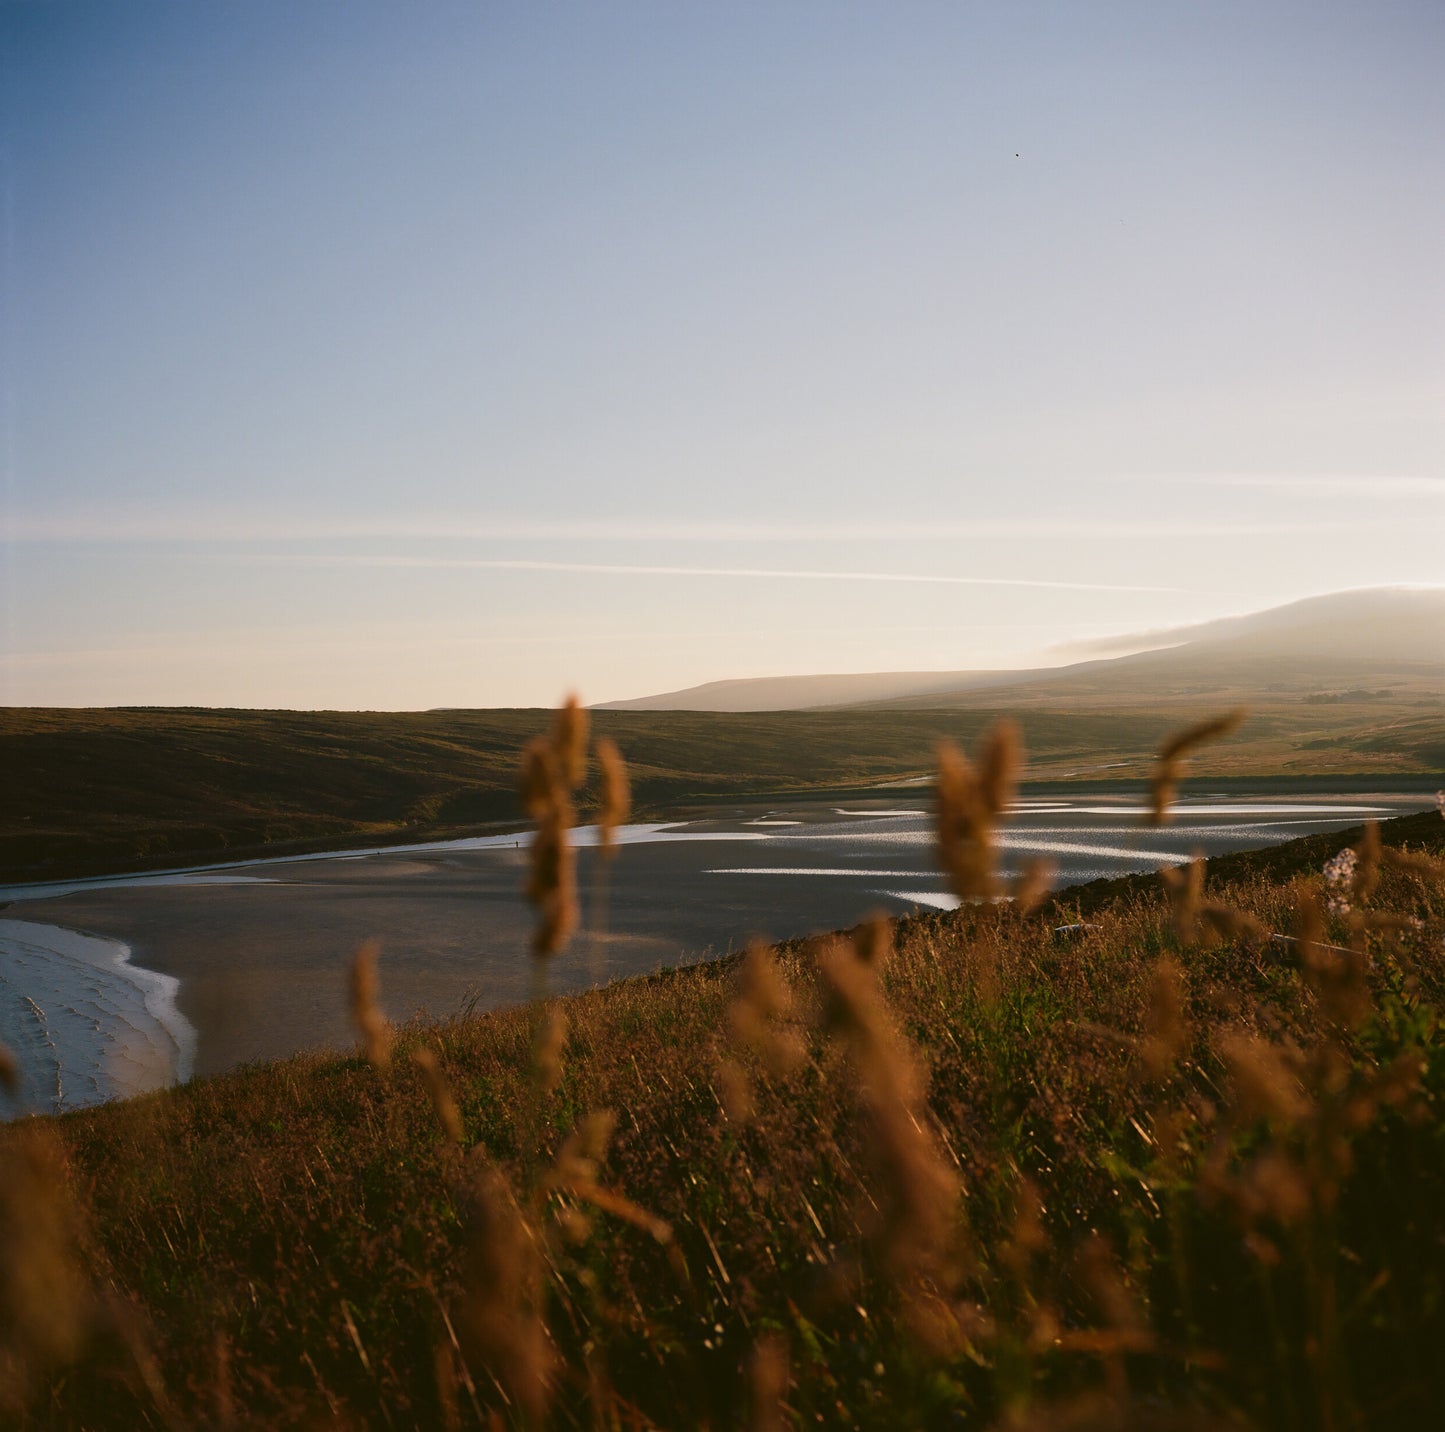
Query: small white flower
x,y
1339,877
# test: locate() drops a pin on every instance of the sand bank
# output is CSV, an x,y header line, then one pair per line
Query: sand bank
x,y
86,1024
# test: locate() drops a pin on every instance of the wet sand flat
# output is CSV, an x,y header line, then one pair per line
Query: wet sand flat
x,y
262,959
263,966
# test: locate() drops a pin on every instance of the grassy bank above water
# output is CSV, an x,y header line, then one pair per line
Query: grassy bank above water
x,y
1164,1171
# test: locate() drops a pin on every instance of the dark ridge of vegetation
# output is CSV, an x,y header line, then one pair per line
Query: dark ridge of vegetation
x,y
1283,863
102,791
1161,1172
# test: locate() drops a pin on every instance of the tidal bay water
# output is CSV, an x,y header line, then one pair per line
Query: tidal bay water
x,y
249,961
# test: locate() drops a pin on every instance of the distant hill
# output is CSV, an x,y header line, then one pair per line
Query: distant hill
x,y
802,693
1402,623
1348,647
1347,644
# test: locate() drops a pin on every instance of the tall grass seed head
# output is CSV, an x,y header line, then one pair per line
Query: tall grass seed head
x,y
569,740
548,1049
616,791
444,1105
9,1073
1171,761
371,1024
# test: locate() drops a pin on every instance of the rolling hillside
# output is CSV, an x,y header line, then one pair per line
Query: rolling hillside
x,y
1388,641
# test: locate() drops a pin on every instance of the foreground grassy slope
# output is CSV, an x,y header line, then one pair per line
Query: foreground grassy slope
x,y
1153,1183
95,790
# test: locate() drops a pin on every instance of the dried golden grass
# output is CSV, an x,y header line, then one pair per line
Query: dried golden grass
x,y
569,740
1173,756
371,1024
1186,895
548,1047
1367,863
501,1308
916,1202
757,1022
552,880
443,1103
970,798
553,767
767,1373
1166,1029
616,792
9,1073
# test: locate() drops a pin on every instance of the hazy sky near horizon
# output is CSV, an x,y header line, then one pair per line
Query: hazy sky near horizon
x,y
368,355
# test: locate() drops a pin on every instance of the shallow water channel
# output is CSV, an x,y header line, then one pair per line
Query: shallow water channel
x,y
210,969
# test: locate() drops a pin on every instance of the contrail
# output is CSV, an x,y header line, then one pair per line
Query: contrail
x,y
612,569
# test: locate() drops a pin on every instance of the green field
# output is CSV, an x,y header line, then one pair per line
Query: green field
x,y
1140,1176
89,791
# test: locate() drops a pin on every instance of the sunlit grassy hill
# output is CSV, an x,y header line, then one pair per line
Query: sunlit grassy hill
x,y
1160,1171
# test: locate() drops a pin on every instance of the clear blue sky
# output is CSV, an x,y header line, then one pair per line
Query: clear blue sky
x,y
396,356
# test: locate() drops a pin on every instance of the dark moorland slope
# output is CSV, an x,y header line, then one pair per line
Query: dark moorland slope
x,y
97,789
90,791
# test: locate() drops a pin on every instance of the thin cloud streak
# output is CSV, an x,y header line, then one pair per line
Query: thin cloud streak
x,y
617,569
221,528
1362,486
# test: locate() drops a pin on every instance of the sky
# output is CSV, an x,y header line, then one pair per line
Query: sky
x,y
385,356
